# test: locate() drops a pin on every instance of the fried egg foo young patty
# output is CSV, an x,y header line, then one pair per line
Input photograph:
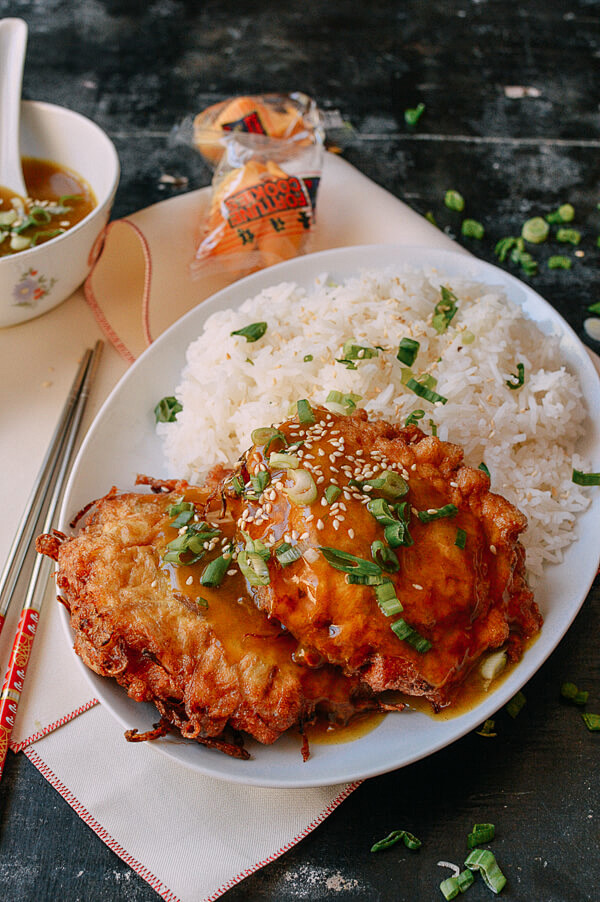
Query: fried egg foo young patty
x,y
208,659
458,571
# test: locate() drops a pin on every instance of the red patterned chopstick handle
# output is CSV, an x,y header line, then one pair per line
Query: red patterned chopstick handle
x,y
15,677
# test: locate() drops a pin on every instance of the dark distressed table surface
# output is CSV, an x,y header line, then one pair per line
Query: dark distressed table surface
x,y
137,68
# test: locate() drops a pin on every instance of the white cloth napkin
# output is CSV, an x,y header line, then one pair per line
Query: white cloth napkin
x,y
191,837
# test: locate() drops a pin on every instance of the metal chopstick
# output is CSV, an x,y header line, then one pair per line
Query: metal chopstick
x,y
30,613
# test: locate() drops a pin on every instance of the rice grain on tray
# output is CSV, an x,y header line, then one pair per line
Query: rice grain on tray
x,y
524,433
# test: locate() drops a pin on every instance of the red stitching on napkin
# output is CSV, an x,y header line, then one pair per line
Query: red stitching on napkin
x,y
260,864
106,838
90,296
19,746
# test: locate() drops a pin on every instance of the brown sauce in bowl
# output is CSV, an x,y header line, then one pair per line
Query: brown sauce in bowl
x,y
57,199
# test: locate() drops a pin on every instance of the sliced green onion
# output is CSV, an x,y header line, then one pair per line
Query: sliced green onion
x,y
167,409
262,435
565,213
484,469
179,506
406,632
573,694
337,402
349,364
331,493
516,704
407,351
384,556
364,579
461,538
535,230
504,246
183,518
484,861
397,534
433,427
358,352
285,461
448,510
260,481
423,392
305,412
308,358
558,261
492,666
445,310
481,833
287,554
470,228
487,729
349,563
255,546
454,200
523,259
414,417
581,478
214,572
431,218
201,602
389,485
409,840
519,377
47,235
413,114
595,308
592,721
387,600
188,548
303,490
452,886
252,332
568,236
254,568
69,197
237,484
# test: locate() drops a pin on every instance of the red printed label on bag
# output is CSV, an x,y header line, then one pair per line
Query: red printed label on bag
x,y
265,199
249,123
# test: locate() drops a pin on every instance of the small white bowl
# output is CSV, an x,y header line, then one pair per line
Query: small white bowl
x,y
36,280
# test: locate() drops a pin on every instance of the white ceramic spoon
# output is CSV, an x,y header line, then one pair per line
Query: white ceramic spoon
x,y
13,40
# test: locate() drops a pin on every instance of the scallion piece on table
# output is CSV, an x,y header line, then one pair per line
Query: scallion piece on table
x,y
488,728
414,417
252,332
445,310
406,632
461,538
384,556
349,563
452,886
454,200
167,409
407,351
471,228
595,308
535,230
558,261
518,377
331,493
287,553
568,236
573,694
565,213
214,572
409,840
592,721
413,114
504,246
305,412
516,704
448,510
480,833
423,392
484,861
581,478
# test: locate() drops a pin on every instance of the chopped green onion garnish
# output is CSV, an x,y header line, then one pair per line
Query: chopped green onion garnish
x,y
183,518
592,721
461,538
565,213
337,402
484,861
433,427
452,886
575,695
305,412
519,377
445,310
414,417
413,114
431,218
358,352
285,461
260,481
407,351
262,435
201,602
559,262
308,358
448,510
167,409
362,579
387,600
410,841
454,200
349,364
484,469
470,228
516,704
303,490
331,493
252,332
389,485
190,546
237,485
504,246
481,833
384,556
581,478
254,568
287,554
179,506
69,197
349,563
214,572
595,308
535,230
404,631
487,729
423,392
568,236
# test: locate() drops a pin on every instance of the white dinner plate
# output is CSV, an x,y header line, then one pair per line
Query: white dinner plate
x,y
122,442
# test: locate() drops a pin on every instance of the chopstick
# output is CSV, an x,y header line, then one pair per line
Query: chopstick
x,y
30,612
35,503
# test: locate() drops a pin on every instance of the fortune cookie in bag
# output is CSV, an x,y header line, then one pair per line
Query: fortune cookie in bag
x,y
269,162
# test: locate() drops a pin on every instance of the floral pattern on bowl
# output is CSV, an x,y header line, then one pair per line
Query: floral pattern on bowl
x,y
31,288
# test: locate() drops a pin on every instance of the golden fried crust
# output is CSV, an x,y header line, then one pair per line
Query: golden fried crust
x,y
137,620
463,601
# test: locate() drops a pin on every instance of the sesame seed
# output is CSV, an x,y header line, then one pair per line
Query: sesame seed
x,y
231,572
417,586
335,524
493,549
189,581
351,533
320,524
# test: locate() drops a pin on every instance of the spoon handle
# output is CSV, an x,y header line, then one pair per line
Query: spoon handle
x,y
13,40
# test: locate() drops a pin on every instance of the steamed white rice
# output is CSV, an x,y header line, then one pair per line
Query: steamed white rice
x,y
526,437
